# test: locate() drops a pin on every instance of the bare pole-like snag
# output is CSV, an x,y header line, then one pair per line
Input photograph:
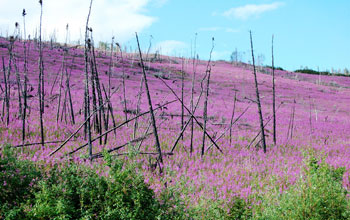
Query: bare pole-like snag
x,y
292,124
258,97
138,107
194,65
41,78
273,96
140,94
123,80
110,67
160,158
60,89
20,93
233,115
182,95
18,78
68,88
310,119
7,99
87,97
24,114
205,108
70,97
63,69
95,122
111,64
99,93
64,108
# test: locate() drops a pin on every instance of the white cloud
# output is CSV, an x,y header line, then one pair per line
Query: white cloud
x,y
251,10
171,47
159,3
120,18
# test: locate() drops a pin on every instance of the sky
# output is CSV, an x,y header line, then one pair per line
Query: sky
x,y
312,33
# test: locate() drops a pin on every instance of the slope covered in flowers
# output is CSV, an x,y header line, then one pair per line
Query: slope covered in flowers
x,y
320,122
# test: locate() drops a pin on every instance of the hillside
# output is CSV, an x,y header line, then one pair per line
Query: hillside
x,y
312,116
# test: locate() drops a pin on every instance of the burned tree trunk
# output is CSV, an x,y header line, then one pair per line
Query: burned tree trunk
x,y
160,158
258,97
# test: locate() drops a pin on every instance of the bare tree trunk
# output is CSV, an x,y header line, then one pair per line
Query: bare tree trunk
x,y
233,115
310,118
258,97
160,158
41,73
18,80
95,122
70,95
205,109
111,64
192,91
60,89
99,93
7,99
273,97
64,108
124,88
24,115
138,107
182,95
292,125
87,97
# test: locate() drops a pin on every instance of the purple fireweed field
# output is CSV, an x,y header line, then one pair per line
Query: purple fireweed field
x,y
312,118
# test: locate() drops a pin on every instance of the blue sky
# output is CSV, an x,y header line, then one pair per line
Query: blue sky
x,y
307,33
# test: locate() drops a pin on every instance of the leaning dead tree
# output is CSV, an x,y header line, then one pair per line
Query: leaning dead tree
x,y
160,158
205,108
258,97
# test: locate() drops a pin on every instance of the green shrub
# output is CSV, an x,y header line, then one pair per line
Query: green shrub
x,y
319,194
71,191
239,209
76,192
17,183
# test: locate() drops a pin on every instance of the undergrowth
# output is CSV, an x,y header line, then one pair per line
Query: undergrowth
x,y
70,191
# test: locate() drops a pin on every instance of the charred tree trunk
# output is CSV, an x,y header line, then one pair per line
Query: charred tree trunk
x,y
205,109
273,97
258,97
160,158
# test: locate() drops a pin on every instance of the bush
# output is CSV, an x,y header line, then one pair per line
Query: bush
x,y
71,191
239,209
18,180
317,195
77,192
